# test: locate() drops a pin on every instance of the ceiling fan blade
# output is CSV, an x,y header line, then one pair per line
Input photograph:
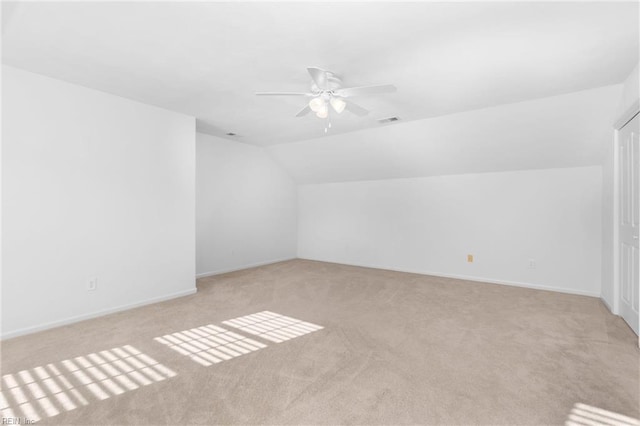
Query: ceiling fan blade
x,y
304,111
356,109
283,94
319,77
365,90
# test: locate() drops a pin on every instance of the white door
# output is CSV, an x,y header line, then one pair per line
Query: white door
x,y
629,151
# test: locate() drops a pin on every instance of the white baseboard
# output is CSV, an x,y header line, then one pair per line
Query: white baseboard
x,y
78,318
240,268
605,303
472,278
520,284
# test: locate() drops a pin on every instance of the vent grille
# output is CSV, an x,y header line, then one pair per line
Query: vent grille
x,y
388,120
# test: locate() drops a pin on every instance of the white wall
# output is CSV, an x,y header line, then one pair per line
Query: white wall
x,y
94,185
429,225
246,207
630,91
608,225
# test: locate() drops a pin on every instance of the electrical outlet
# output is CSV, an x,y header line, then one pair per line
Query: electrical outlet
x,y
532,264
470,258
92,284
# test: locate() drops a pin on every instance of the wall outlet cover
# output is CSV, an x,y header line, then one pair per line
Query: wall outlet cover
x,y
92,284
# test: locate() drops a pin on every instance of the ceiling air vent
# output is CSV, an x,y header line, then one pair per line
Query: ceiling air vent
x,y
388,120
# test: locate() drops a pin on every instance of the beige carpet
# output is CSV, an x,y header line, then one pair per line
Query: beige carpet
x,y
337,345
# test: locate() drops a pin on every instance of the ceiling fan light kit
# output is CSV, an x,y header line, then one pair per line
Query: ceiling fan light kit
x,y
316,104
338,105
326,89
323,112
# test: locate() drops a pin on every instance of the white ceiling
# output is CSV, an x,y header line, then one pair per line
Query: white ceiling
x,y
207,59
561,131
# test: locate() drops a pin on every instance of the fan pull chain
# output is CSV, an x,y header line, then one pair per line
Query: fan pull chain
x,y
327,125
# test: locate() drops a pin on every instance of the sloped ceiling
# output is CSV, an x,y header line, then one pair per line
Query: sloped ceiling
x,y
562,131
207,60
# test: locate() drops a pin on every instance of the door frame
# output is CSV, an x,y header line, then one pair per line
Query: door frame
x,y
626,117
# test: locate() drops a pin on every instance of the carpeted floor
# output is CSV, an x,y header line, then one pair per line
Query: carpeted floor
x,y
371,347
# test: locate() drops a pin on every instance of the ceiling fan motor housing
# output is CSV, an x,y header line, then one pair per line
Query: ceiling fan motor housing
x,y
333,82
327,90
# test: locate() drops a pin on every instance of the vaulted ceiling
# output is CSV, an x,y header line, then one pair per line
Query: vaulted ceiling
x,y
208,59
560,131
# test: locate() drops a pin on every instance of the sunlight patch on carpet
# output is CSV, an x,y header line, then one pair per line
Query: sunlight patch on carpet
x,y
209,344
48,390
588,415
273,327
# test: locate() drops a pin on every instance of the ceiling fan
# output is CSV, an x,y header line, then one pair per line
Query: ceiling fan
x,y
326,89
